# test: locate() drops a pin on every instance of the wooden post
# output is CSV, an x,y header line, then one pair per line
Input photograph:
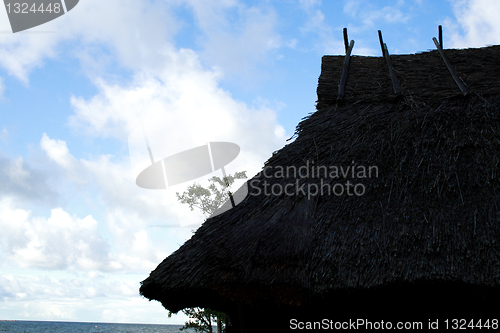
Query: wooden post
x,y
440,28
395,84
381,42
345,71
452,69
346,40
385,54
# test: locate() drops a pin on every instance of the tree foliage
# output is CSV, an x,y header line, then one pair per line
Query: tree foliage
x,y
211,198
207,200
201,320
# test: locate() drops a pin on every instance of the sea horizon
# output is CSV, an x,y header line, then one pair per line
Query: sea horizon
x,y
85,322
35,326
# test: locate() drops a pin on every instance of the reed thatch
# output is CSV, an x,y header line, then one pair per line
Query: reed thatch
x,y
427,226
422,76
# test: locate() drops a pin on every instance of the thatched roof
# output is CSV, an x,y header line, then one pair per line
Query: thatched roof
x,y
431,216
423,76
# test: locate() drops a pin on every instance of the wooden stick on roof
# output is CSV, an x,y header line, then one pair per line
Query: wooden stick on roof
x,y
346,40
451,68
345,68
440,29
385,54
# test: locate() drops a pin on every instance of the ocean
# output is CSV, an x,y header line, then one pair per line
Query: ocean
x,y
68,327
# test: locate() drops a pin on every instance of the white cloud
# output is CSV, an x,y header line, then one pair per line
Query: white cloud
x,y
103,182
63,242
77,298
57,151
22,180
181,107
43,286
170,88
184,107
477,19
369,14
2,91
134,32
175,97
136,35
55,243
16,172
19,54
127,213
235,37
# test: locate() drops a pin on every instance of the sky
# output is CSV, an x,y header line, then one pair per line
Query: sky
x,y
77,235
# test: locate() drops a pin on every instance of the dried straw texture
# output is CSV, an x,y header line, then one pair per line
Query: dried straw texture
x,y
424,76
430,216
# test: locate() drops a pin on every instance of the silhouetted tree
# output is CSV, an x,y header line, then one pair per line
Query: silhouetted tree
x,y
208,200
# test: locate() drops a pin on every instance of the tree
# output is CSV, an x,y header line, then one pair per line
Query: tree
x,y
211,198
201,320
208,200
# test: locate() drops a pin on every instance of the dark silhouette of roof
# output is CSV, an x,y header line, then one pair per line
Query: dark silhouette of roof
x,y
429,217
422,76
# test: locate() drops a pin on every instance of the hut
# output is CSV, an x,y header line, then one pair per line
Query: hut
x,y
384,208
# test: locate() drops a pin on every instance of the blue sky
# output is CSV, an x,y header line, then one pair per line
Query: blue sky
x,y
77,234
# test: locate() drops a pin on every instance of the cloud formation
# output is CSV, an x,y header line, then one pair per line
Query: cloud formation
x,y
81,256
23,181
133,32
58,242
476,23
369,13
91,298
235,37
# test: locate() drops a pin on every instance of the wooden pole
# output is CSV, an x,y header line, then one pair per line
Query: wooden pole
x,y
440,28
345,71
385,54
395,84
381,42
452,69
346,40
